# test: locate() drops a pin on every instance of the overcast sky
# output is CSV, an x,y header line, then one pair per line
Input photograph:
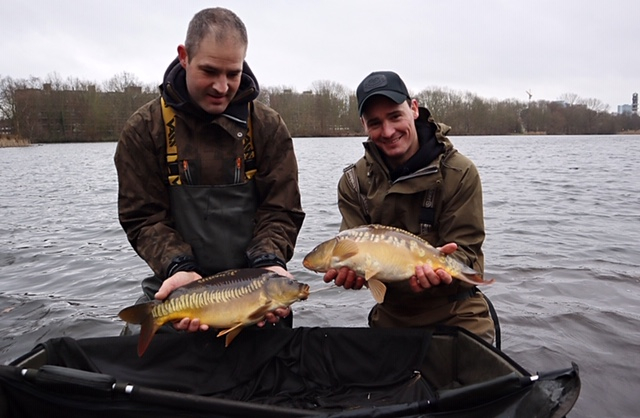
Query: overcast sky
x,y
493,48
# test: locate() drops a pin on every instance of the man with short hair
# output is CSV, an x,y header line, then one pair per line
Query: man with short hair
x,y
208,178
411,177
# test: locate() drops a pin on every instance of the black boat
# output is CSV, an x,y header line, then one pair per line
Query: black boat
x,y
280,372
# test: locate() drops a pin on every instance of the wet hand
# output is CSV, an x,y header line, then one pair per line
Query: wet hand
x,y
279,270
345,277
181,278
426,277
274,317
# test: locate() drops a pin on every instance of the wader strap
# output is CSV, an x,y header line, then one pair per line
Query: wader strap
x,y
249,150
492,310
496,323
352,179
169,118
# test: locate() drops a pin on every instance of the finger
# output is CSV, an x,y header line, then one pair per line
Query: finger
x,y
330,275
445,277
360,281
271,318
415,285
282,312
350,280
448,248
182,325
194,325
342,276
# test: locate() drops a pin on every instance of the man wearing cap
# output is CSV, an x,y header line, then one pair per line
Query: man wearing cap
x,y
411,177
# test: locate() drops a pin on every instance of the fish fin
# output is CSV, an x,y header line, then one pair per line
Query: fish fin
x,y
148,329
259,313
345,249
471,276
141,314
231,333
136,314
378,289
369,274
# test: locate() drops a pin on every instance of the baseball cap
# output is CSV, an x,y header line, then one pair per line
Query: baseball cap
x,y
385,83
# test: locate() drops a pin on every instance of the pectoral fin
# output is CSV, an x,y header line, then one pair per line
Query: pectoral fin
x,y
230,333
345,249
378,289
259,313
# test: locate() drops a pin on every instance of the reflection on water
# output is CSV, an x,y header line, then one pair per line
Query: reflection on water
x,y
562,243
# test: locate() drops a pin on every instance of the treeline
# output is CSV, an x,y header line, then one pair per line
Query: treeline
x,y
73,110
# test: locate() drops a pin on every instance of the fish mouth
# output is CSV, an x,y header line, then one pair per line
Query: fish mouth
x,y
304,291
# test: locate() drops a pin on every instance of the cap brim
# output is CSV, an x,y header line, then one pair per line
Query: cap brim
x,y
393,95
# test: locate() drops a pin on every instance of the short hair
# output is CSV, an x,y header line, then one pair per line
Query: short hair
x,y
220,22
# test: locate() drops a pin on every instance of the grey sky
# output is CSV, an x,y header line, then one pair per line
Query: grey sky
x,y
493,48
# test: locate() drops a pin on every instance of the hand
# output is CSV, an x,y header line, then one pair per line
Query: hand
x,y
274,317
279,270
345,277
181,278
426,277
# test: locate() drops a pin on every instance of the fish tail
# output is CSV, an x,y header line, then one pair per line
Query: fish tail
x,y
141,314
474,278
148,329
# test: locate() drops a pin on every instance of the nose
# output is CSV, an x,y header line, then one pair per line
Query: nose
x,y
220,85
387,129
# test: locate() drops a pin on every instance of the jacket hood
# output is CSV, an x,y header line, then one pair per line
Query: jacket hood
x,y
175,93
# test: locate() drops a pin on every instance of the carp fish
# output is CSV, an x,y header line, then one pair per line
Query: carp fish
x,y
228,301
383,254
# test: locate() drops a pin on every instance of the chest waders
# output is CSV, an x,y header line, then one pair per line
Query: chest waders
x,y
427,222
217,221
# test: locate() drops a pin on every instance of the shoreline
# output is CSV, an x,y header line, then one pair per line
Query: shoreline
x,y
7,141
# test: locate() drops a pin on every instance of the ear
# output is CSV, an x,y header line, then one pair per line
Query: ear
x,y
414,108
183,56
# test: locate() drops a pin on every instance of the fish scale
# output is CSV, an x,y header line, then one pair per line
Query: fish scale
x,y
227,301
383,254
200,299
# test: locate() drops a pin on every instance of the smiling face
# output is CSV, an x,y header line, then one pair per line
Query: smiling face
x,y
214,71
391,127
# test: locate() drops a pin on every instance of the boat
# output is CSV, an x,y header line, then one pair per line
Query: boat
x,y
283,372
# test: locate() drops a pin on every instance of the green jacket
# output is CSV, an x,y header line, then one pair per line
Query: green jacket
x,y
450,182
214,148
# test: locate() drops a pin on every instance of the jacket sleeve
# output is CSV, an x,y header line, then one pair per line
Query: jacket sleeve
x,y
143,197
279,216
462,219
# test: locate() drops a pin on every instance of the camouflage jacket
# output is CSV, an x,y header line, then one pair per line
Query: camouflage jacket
x,y
214,147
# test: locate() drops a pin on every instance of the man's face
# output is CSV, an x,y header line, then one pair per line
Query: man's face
x,y
392,127
213,72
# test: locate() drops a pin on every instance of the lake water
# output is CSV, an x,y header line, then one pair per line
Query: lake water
x,y
563,243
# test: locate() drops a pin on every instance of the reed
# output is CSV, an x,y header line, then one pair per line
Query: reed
x,y
13,141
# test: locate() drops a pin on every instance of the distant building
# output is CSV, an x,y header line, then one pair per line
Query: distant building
x,y
50,115
625,109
